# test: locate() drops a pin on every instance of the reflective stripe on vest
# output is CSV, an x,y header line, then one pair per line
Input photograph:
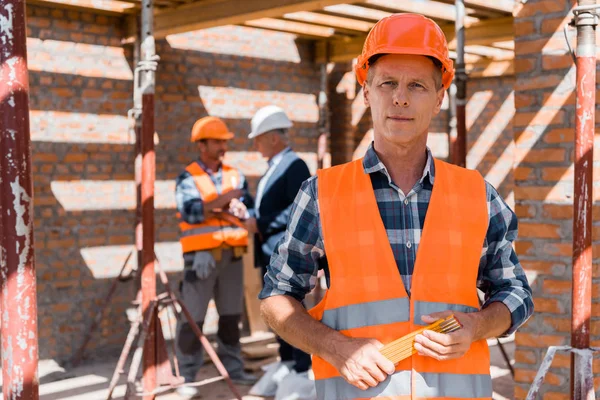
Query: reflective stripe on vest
x,y
428,385
212,232
366,297
367,314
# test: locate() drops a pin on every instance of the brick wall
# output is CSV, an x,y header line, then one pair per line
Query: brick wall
x,y
543,132
83,154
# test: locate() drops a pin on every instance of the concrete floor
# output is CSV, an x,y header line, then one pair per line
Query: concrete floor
x,y
90,381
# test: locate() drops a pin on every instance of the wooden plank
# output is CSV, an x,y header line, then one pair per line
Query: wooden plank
x,y
299,28
431,9
105,8
252,287
484,32
207,14
495,7
330,21
350,10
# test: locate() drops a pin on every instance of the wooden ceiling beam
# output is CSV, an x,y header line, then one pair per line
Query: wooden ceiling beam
x,y
355,11
210,13
330,21
482,33
298,28
431,9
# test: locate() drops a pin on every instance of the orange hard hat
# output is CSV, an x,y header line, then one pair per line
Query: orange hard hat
x,y
406,34
210,128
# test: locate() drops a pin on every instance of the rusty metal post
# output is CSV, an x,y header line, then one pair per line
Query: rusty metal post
x,y
458,144
17,268
148,275
585,22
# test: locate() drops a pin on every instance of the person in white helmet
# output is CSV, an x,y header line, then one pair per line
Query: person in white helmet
x,y
276,192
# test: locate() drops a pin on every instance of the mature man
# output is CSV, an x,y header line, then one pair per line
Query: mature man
x,y
275,196
404,239
212,250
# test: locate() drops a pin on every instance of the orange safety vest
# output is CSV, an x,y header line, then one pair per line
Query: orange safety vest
x,y
213,232
367,298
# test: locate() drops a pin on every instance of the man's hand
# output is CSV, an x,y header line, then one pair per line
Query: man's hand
x,y
443,346
233,194
238,209
251,225
359,362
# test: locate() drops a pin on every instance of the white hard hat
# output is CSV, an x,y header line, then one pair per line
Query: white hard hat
x,y
267,119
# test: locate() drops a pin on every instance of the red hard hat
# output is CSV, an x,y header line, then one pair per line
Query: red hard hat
x,y
406,34
210,128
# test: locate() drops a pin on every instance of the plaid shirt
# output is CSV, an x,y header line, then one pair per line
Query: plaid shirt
x,y
189,201
295,264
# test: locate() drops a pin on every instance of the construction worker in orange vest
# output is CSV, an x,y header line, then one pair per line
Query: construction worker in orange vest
x,y
208,192
404,239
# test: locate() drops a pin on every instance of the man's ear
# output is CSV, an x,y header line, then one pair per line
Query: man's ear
x,y
366,94
439,100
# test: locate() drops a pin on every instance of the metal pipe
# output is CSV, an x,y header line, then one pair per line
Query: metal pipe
x,y
459,144
148,275
17,267
582,220
323,125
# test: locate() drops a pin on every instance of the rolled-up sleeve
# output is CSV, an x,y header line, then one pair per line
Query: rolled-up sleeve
x,y
295,262
501,276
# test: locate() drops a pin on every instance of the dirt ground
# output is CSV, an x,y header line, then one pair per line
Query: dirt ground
x,y
90,380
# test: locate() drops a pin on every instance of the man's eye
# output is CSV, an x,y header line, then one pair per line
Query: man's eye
x,y
417,85
387,83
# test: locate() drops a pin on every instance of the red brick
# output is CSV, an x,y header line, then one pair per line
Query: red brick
x,y
523,28
523,100
540,155
538,82
525,211
528,375
556,396
525,356
550,62
530,9
539,341
560,135
523,173
556,211
522,247
559,99
542,117
544,305
551,286
524,65
552,25
520,392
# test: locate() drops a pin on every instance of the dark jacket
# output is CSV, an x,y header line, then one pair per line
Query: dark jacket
x,y
276,204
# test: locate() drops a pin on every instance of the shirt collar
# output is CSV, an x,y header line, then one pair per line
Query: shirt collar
x,y
208,170
372,164
276,159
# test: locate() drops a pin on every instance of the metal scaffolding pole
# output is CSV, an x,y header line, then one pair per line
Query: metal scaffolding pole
x,y
17,268
148,275
458,143
582,220
582,376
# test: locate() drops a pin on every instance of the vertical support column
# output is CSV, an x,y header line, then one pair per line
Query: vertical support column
x,y
458,150
324,160
148,275
17,268
582,221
